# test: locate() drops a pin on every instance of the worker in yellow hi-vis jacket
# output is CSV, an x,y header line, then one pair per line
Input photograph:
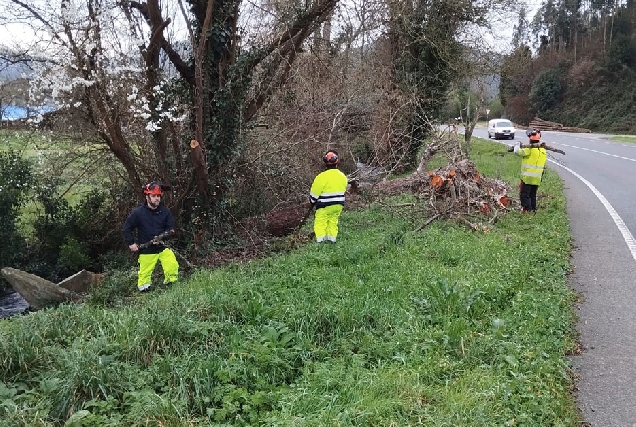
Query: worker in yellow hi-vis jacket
x,y
327,195
532,168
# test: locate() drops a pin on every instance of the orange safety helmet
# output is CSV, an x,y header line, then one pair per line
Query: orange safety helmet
x,y
534,135
330,157
153,188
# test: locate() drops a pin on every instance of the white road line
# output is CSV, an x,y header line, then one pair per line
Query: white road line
x,y
627,236
599,152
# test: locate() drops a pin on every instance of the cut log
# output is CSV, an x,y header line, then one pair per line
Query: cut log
x,y
540,124
437,181
511,148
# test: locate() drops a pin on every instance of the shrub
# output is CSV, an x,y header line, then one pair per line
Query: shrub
x,y
15,181
73,255
71,238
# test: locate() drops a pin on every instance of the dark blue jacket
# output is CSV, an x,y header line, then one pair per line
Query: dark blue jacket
x,y
149,223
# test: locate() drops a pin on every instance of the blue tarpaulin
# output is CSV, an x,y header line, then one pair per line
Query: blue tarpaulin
x,y
11,112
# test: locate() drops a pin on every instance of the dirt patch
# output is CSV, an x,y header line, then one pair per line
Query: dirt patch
x,y
277,232
282,222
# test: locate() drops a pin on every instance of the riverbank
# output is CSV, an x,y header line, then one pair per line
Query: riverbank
x,y
11,304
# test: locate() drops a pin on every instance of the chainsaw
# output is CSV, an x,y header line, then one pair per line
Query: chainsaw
x,y
157,240
160,240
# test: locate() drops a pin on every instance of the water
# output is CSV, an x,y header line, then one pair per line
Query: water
x,y
12,304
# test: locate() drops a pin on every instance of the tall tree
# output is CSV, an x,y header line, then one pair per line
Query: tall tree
x,y
516,81
168,89
521,31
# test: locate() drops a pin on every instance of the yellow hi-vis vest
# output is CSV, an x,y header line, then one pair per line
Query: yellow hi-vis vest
x,y
328,189
532,165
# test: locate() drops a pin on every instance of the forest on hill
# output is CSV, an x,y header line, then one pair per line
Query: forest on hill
x,y
574,62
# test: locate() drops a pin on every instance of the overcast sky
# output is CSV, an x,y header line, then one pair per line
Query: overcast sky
x,y
12,34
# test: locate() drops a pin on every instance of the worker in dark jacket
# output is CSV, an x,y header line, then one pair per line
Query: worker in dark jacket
x,y
151,219
327,195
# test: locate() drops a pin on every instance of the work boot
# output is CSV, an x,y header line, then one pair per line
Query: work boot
x,y
144,288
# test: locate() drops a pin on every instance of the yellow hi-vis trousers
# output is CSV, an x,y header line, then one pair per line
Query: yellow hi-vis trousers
x,y
326,223
147,263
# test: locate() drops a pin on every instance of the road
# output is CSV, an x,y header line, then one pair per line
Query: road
x,y
599,178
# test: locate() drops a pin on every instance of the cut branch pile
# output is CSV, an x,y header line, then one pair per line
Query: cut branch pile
x,y
456,191
464,185
540,124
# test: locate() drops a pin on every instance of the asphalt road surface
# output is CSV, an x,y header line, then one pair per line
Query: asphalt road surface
x,y
599,176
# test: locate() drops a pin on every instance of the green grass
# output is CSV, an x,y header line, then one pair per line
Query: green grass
x,y
76,167
442,327
59,156
27,142
624,138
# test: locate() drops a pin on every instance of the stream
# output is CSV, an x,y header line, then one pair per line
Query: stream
x,y
12,304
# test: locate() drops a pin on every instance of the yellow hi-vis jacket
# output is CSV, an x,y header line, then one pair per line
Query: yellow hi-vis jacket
x,y
328,189
532,165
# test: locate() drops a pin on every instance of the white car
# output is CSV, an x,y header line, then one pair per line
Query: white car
x,y
501,128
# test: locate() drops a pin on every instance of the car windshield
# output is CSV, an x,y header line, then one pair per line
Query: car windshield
x,y
504,125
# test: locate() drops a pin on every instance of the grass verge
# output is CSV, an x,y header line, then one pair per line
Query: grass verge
x,y
442,327
624,138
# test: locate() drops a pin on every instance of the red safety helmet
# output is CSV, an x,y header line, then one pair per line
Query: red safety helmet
x,y
153,188
330,157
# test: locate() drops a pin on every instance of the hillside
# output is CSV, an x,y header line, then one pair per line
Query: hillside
x,y
574,63
606,103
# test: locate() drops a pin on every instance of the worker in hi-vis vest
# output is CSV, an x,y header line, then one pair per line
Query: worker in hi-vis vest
x,y
532,167
327,195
